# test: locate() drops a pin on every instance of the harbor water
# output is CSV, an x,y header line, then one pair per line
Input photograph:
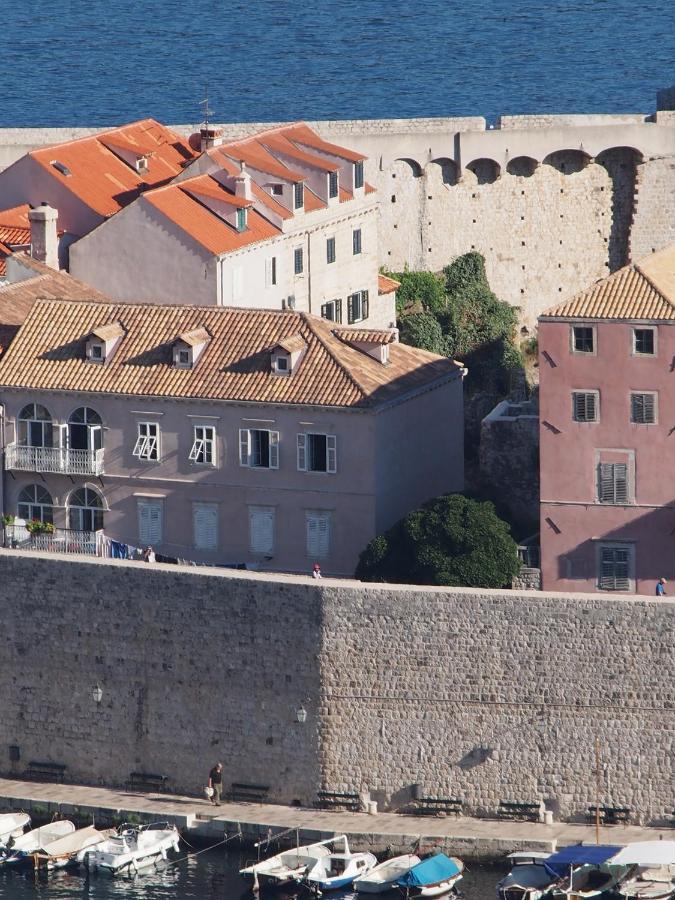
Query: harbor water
x,y
211,875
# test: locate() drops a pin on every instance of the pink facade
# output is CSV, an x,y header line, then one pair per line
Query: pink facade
x,y
607,431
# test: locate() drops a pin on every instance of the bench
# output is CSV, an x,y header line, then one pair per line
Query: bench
x,y
432,806
143,781
509,809
610,815
45,771
338,799
248,793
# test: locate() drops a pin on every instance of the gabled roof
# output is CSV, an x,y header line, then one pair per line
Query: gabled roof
x,y
292,344
102,179
303,134
644,290
386,285
194,337
365,335
107,332
47,354
14,231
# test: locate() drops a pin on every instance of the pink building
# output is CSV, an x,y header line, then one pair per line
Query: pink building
x,y
223,435
607,411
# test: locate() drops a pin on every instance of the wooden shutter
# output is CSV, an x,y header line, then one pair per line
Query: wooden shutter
x,y
350,310
244,447
331,453
261,525
205,523
302,452
614,569
620,483
274,449
150,521
584,407
364,304
338,311
613,483
318,535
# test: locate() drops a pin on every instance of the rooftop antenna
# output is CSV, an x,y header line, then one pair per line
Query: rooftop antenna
x,y
205,104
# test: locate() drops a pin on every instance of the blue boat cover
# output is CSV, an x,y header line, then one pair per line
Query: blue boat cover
x,y
578,855
436,868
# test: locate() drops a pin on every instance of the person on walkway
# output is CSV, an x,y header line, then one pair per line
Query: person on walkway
x,y
149,555
216,783
316,571
661,587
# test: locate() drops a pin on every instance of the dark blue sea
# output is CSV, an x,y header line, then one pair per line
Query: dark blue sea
x,y
99,62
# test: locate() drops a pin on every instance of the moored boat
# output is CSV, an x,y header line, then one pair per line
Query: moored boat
x,y
433,877
385,875
652,870
68,851
31,841
134,848
528,879
288,866
581,871
338,869
12,825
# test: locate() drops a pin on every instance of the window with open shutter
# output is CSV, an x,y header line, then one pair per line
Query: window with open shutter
x,y
584,406
150,521
364,304
318,535
613,483
274,449
261,529
302,452
244,447
331,453
643,408
615,568
205,524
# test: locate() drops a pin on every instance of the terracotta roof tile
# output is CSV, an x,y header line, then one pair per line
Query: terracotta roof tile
x,y
292,344
279,142
630,293
108,332
386,285
16,217
48,354
365,336
303,134
102,180
312,202
194,337
206,186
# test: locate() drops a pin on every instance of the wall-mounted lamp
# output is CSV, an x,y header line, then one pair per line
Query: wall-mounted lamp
x,y
301,715
97,693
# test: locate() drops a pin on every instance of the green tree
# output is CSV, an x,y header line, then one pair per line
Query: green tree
x,y
425,289
422,330
452,540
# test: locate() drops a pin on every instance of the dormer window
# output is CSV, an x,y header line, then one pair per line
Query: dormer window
x,y
282,365
333,185
358,174
298,195
189,346
102,342
287,354
241,219
278,190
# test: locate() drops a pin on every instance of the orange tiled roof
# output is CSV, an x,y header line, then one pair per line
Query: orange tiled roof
x,y
4,253
48,354
101,179
279,142
16,217
365,335
644,290
303,134
386,285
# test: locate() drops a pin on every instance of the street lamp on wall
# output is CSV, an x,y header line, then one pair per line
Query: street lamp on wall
x,y
97,694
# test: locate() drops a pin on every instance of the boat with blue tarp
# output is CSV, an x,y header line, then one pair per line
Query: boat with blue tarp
x,y
433,877
582,871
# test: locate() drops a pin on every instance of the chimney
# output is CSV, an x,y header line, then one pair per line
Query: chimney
x,y
242,183
43,241
209,137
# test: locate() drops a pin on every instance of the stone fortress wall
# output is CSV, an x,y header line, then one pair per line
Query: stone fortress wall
x,y
553,202
484,695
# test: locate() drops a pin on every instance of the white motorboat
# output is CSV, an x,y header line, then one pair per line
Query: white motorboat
x,y
433,877
338,869
70,850
286,867
385,875
12,825
583,871
31,841
652,872
134,848
528,879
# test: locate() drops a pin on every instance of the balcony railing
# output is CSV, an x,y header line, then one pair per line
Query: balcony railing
x,y
59,460
63,540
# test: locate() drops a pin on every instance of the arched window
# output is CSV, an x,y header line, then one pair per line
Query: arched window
x,y
85,510
85,431
35,502
34,426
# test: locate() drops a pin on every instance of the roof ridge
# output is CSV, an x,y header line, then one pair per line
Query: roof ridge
x,y
96,135
312,322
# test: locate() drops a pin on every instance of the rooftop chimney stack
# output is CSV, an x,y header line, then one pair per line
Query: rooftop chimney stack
x,y
209,137
43,241
242,183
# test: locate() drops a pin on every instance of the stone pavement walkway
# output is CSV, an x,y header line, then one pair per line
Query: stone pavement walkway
x,y
461,835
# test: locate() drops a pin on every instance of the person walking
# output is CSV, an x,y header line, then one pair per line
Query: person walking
x,y
216,783
661,587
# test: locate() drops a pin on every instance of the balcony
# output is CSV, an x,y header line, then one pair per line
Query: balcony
x,y
57,460
63,540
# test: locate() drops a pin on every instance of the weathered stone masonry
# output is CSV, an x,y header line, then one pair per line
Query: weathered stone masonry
x,y
486,695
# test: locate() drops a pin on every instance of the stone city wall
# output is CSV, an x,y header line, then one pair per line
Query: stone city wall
x,y
483,695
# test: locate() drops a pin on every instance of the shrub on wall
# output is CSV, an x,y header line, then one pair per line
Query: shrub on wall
x,y
423,330
452,540
419,289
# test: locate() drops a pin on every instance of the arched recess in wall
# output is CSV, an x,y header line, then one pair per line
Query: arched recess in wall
x,y
568,162
415,167
449,169
485,170
522,166
621,165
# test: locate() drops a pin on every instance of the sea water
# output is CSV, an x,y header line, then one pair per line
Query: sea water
x,y
104,62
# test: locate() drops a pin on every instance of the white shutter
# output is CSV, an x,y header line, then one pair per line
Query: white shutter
x,y
302,452
197,450
62,432
205,519
261,524
139,446
331,453
150,521
244,447
274,449
318,535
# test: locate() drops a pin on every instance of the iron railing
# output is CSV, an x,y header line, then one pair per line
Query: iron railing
x,y
58,460
62,540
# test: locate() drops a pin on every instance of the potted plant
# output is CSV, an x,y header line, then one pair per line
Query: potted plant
x,y
7,519
37,526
